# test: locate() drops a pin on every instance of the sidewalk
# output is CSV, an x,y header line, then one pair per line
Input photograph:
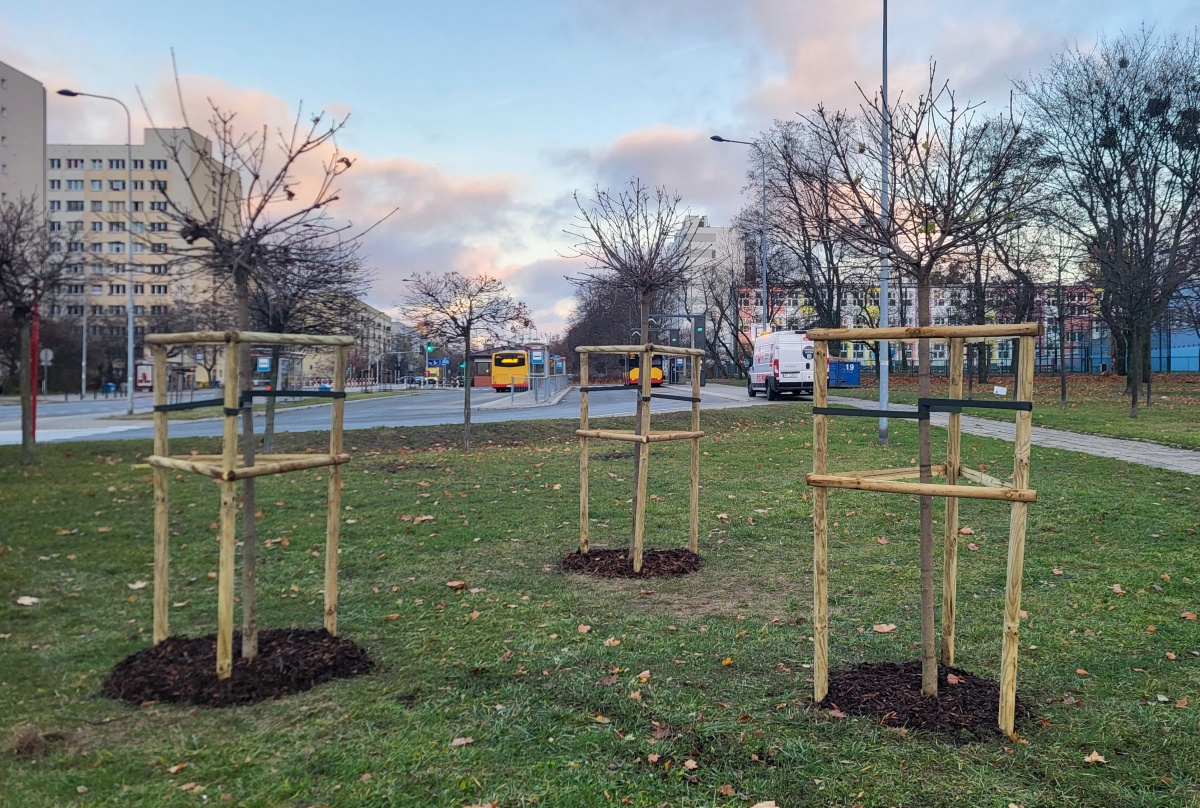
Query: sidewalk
x,y
1143,453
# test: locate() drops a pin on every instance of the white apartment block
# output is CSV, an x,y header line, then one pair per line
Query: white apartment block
x,y
22,136
112,211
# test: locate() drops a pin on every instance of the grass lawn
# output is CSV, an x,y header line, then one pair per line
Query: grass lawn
x,y
712,668
1095,405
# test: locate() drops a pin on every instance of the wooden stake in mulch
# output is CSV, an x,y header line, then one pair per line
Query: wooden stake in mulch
x,y
643,436
1017,492
225,470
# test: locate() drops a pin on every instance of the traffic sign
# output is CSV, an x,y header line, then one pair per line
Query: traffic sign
x,y
445,361
46,356
433,363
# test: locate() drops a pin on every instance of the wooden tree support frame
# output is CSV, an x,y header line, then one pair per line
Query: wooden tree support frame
x,y
224,469
1016,492
643,437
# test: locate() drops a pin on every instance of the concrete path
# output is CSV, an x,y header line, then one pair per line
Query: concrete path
x,y
1131,451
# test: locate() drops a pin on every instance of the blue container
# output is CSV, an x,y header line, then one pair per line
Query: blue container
x,y
845,373
108,387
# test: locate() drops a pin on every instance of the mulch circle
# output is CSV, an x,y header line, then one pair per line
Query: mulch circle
x,y
617,564
184,669
891,692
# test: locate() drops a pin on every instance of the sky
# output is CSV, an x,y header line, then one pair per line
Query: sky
x,y
477,120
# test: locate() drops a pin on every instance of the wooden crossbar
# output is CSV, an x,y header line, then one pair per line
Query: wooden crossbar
x,y
920,489
630,437
929,332
649,347
984,479
898,474
275,464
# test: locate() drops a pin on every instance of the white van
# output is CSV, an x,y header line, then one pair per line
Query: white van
x,y
783,363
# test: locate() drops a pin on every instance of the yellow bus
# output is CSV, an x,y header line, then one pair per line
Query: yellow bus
x,y
656,371
510,370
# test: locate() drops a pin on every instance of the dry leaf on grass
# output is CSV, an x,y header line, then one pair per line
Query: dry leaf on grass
x,y
611,642
690,765
138,585
461,742
1094,757
966,531
28,600
884,628
582,629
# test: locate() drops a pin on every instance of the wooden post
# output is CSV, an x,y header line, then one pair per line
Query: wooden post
x,y
1016,543
228,516
643,428
333,523
820,528
161,512
950,548
583,454
694,522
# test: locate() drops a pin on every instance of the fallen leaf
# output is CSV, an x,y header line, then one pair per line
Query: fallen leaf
x,y
473,615
767,804
882,540
138,585
722,518
1182,703
177,768
1171,655
653,757
1188,615
1151,629
365,778
457,742
727,661
582,629
602,719
456,584
836,713
611,641
1094,757
690,765
423,518
1117,588
81,789
28,600
393,616
644,677
611,679
104,529
1082,672
884,628
1057,571
966,531
636,695
727,790
954,680
973,547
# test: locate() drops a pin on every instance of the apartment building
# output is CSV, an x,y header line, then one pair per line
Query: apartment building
x,y
22,136
111,205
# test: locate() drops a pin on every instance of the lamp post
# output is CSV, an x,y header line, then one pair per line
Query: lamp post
x,y
884,349
128,237
762,233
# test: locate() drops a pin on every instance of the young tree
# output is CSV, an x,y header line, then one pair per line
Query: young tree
x,y
1121,129
958,180
239,220
31,265
462,308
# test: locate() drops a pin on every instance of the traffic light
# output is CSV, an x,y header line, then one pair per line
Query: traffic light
x,y
462,365
429,347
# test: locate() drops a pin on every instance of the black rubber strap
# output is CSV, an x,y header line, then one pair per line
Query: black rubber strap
x,y
189,405
916,415
957,404
674,397
232,413
602,387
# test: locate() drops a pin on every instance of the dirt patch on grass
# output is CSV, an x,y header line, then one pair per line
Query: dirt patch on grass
x,y
183,669
617,563
891,692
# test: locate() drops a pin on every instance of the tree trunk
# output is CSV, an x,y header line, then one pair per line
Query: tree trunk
x,y
245,383
1147,370
1062,353
1119,349
467,376
1134,372
269,425
1016,363
25,326
929,662
644,315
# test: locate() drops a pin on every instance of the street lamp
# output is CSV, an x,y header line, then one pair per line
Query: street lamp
x,y
884,348
762,233
128,237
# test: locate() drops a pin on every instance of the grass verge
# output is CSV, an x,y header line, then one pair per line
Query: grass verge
x,y
712,668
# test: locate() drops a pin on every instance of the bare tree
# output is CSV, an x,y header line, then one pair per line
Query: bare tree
x,y
239,219
721,281
457,307
32,261
958,180
312,289
1121,125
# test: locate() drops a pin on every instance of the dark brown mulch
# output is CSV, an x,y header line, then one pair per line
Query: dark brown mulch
x,y
617,564
184,669
891,692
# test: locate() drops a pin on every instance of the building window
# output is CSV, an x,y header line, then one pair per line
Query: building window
x,y
55,204
158,165
137,206
75,288
138,185
75,269
158,248
158,185
96,247
55,185
97,165
97,311
116,185
139,247
115,310
158,227
139,289
72,204
75,247
74,185
158,288
138,227
55,227
72,163
75,311
97,227
158,309
55,162
116,247
159,206
158,269
139,310
116,164
97,206
138,165
116,288
116,227
97,185
55,309
116,207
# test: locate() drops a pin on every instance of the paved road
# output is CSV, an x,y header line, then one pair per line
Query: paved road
x,y
60,421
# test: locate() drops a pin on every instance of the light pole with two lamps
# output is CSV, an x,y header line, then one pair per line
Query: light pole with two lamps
x,y
128,235
762,233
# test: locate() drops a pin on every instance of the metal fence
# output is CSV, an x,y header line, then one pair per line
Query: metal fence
x,y
537,389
